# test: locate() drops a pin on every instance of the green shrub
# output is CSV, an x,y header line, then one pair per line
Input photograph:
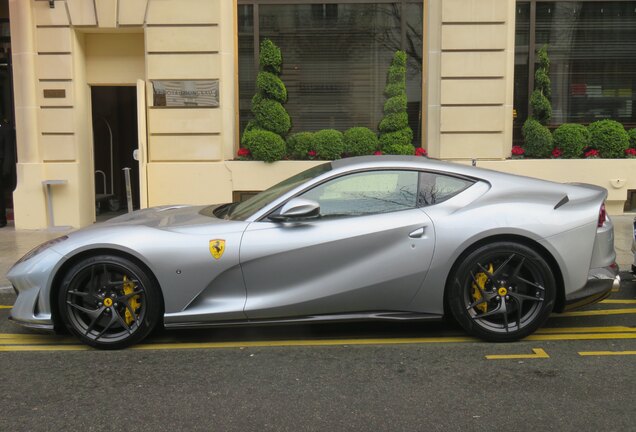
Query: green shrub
x,y
395,104
401,137
632,138
609,138
299,144
395,134
270,57
571,139
329,144
541,107
394,89
542,82
394,122
264,145
270,86
399,149
360,141
270,115
537,139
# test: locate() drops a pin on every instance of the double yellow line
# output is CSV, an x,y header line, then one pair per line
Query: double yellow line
x,y
26,342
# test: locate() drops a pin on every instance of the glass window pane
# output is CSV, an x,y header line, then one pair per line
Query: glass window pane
x,y
335,61
366,193
592,49
437,188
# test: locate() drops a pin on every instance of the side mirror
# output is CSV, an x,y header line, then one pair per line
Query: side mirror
x,y
297,208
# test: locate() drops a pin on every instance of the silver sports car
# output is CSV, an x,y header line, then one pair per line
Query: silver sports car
x,y
370,238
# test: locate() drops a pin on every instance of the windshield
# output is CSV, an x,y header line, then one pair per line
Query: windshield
x,y
243,210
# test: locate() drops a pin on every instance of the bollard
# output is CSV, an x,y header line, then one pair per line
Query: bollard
x,y
128,189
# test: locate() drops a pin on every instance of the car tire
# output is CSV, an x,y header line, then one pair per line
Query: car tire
x,y
502,292
109,302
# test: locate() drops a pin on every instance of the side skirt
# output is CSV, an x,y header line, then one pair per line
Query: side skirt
x,y
347,317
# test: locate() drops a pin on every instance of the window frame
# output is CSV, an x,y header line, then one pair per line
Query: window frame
x,y
276,209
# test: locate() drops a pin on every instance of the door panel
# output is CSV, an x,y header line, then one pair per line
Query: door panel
x,y
325,266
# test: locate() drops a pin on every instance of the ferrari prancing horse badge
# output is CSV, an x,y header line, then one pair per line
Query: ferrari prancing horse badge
x,y
217,247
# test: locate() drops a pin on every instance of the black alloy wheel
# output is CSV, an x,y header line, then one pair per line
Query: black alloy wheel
x,y
109,302
502,292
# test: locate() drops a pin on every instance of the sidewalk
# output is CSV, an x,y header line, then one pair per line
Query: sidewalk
x,y
14,244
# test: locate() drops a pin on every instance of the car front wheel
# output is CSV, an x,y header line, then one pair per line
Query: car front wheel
x,y
502,292
109,302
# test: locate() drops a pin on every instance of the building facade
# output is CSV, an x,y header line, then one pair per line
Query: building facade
x,y
170,81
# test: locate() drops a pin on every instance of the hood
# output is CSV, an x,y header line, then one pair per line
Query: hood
x,y
166,217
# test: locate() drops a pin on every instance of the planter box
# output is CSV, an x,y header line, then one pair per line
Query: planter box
x,y
257,176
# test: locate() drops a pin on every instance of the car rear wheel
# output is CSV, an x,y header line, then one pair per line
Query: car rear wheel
x,y
502,292
109,302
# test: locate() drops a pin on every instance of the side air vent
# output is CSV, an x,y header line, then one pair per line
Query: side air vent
x,y
563,201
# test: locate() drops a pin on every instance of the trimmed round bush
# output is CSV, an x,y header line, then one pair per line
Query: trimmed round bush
x,y
399,58
609,137
270,57
271,115
395,104
299,144
399,149
395,89
264,145
542,81
401,137
538,142
394,122
329,144
632,138
360,141
541,107
270,86
397,74
571,139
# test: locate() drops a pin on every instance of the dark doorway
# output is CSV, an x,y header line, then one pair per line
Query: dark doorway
x,y
114,118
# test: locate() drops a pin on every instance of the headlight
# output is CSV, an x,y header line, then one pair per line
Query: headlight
x,y
36,250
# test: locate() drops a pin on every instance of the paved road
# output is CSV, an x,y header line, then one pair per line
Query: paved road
x,y
579,375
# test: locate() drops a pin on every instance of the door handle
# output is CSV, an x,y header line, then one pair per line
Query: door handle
x,y
418,233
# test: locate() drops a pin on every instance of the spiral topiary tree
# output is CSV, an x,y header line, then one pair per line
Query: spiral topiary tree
x,y
264,136
395,134
537,140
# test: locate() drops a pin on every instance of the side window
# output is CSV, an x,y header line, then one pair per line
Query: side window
x,y
365,193
436,188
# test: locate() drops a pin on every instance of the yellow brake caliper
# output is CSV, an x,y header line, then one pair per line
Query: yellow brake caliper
x,y
481,278
134,301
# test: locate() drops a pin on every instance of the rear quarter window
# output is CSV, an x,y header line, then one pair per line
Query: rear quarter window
x,y
436,188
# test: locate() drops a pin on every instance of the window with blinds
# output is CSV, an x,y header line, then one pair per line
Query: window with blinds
x,y
335,59
592,50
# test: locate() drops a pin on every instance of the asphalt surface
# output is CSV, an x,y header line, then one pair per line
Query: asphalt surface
x,y
579,374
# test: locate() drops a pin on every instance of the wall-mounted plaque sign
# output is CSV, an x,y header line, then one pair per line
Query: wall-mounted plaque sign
x,y
192,93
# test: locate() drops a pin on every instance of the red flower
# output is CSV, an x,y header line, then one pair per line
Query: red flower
x,y
630,153
243,152
556,153
420,151
378,153
592,153
518,150
311,153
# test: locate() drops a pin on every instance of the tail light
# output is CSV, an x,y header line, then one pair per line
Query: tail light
x,y
602,216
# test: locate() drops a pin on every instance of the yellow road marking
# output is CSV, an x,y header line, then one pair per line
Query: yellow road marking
x,y
538,353
5,307
609,329
595,312
618,301
606,353
30,345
